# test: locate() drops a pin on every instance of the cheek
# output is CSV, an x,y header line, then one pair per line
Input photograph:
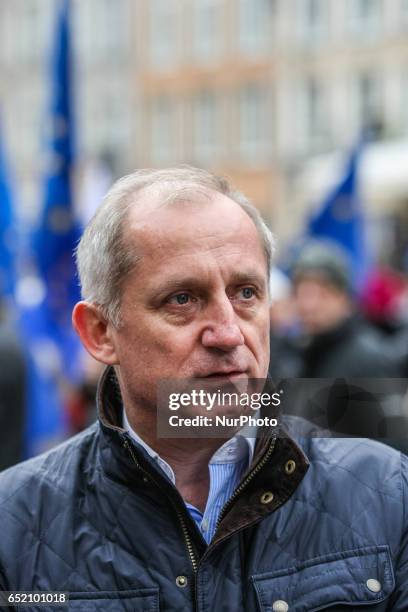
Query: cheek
x,y
165,346
308,307
264,322
257,335
266,328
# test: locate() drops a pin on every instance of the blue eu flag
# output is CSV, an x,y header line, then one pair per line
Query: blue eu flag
x,y
54,348
340,218
59,231
7,232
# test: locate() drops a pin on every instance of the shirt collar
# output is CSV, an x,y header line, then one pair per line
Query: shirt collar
x,y
232,451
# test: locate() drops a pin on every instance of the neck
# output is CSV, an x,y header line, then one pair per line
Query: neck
x,y
188,458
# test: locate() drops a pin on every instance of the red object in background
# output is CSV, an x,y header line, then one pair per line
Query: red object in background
x,y
76,411
382,296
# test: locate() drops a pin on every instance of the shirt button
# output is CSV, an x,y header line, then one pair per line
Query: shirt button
x,y
181,581
204,525
373,585
280,606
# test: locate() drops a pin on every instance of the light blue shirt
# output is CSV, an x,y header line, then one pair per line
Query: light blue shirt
x,y
226,468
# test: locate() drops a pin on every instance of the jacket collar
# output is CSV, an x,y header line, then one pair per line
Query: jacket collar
x,y
331,337
278,466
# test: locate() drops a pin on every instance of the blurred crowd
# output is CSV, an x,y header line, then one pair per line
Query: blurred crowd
x,y
357,341
321,327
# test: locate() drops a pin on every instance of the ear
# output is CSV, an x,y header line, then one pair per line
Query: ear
x,y
95,332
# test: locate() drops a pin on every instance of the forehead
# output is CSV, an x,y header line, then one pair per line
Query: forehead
x,y
210,230
315,284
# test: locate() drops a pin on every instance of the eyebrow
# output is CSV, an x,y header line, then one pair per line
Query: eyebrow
x,y
194,282
249,276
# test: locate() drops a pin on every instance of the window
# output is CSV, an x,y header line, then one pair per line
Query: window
x,y
316,119
7,37
205,126
205,31
313,16
255,123
92,121
86,37
162,130
255,31
112,35
404,10
366,16
27,110
116,121
404,102
30,32
370,110
163,32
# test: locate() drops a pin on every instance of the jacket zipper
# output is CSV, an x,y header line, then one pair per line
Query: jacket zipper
x,y
245,482
187,539
238,490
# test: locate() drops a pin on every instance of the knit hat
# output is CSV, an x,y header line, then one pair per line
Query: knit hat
x,y
325,260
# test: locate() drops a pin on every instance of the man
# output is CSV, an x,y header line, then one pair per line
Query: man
x,y
337,341
12,395
174,270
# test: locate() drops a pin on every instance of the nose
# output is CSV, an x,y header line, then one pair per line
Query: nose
x,y
222,330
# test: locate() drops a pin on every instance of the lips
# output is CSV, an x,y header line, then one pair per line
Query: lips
x,y
223,373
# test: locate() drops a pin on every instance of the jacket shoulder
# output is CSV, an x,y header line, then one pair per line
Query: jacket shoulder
x,y
32,492
363,484
368,461
347,469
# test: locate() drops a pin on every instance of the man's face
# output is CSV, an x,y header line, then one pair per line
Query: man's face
x,y
196,305
320,305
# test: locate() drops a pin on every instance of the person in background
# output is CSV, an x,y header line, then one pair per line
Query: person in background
x,y
338,346
384,300
81,404
285,359
336,341
384,303
12,395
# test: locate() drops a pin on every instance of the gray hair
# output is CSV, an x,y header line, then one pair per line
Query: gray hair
x,y
103,255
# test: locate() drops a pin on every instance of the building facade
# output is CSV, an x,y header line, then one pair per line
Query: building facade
x,y
258,88
269,92
103,88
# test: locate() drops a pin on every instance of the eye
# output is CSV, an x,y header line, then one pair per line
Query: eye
x,y
247,292
181,299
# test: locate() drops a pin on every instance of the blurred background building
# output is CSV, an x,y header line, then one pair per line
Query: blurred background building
x,y
105,89
270,92
273,93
